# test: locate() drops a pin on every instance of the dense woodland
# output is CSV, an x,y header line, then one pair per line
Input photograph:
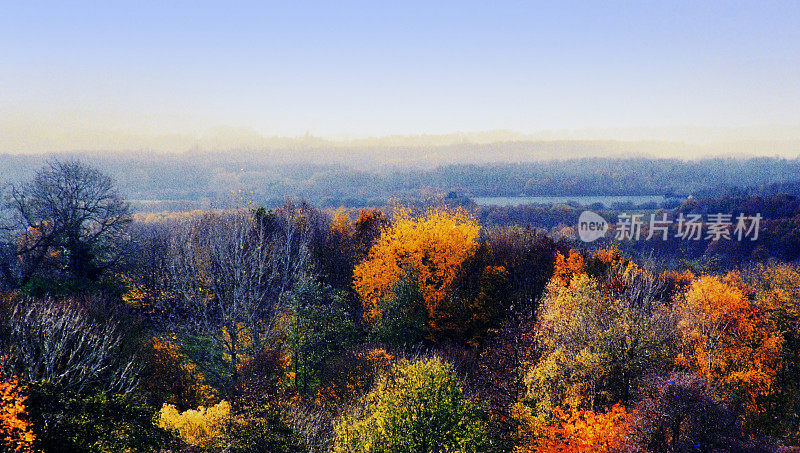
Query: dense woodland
x,y
368,178
430,326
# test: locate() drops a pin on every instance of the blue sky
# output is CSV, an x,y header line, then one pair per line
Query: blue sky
x,y
376,68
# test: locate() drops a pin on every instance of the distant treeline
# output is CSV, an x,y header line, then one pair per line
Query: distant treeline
x,y
157,182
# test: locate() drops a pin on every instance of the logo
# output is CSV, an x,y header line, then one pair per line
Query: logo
x,y
591,226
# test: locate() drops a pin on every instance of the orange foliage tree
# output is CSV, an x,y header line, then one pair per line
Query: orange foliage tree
x,y
567,267
728,339
433,247
15,430
583,431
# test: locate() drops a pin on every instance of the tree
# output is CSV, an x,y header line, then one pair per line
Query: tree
x,y
94,422
231,272
71,213
433,247
317,329
401,323
57,342
599,340
206,427
728,340
16,433
777,287
168,376
567,267
528,256
584,431
421,407
679,413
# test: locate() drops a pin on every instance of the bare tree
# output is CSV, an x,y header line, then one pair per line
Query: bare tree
x,y
57,342
68,210
232,271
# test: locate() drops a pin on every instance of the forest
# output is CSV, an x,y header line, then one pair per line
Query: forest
x,y
368,178
423,326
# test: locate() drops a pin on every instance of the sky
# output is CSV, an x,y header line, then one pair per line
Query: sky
x,y
78,74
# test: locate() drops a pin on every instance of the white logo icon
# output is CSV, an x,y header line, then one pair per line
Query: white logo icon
x,y
591,226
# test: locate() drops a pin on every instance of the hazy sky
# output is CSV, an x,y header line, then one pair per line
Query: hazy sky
x,y
374,68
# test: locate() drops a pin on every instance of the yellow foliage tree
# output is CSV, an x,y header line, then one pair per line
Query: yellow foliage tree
x,y
433,246
418,407
205,427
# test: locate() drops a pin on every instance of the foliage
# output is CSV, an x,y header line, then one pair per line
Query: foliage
x,y
728,340
401,319
421,407
206,427
583,431
433,246
168,376
596,346
778,287
65,421
317,329
567,267
16,433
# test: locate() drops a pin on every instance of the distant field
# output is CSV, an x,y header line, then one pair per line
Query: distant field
x,y
583,200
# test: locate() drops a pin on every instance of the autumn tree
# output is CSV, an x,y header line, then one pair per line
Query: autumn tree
x,y
69,212
169,376
433,247
205,427
729,340
566,267
16,434
583,431
420,406
777,288
596,345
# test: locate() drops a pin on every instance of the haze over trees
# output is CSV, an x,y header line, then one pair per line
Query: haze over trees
x,y
182,182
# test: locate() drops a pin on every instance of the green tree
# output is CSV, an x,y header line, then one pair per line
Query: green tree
x,y
67,421
418,407
317,329
402,320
